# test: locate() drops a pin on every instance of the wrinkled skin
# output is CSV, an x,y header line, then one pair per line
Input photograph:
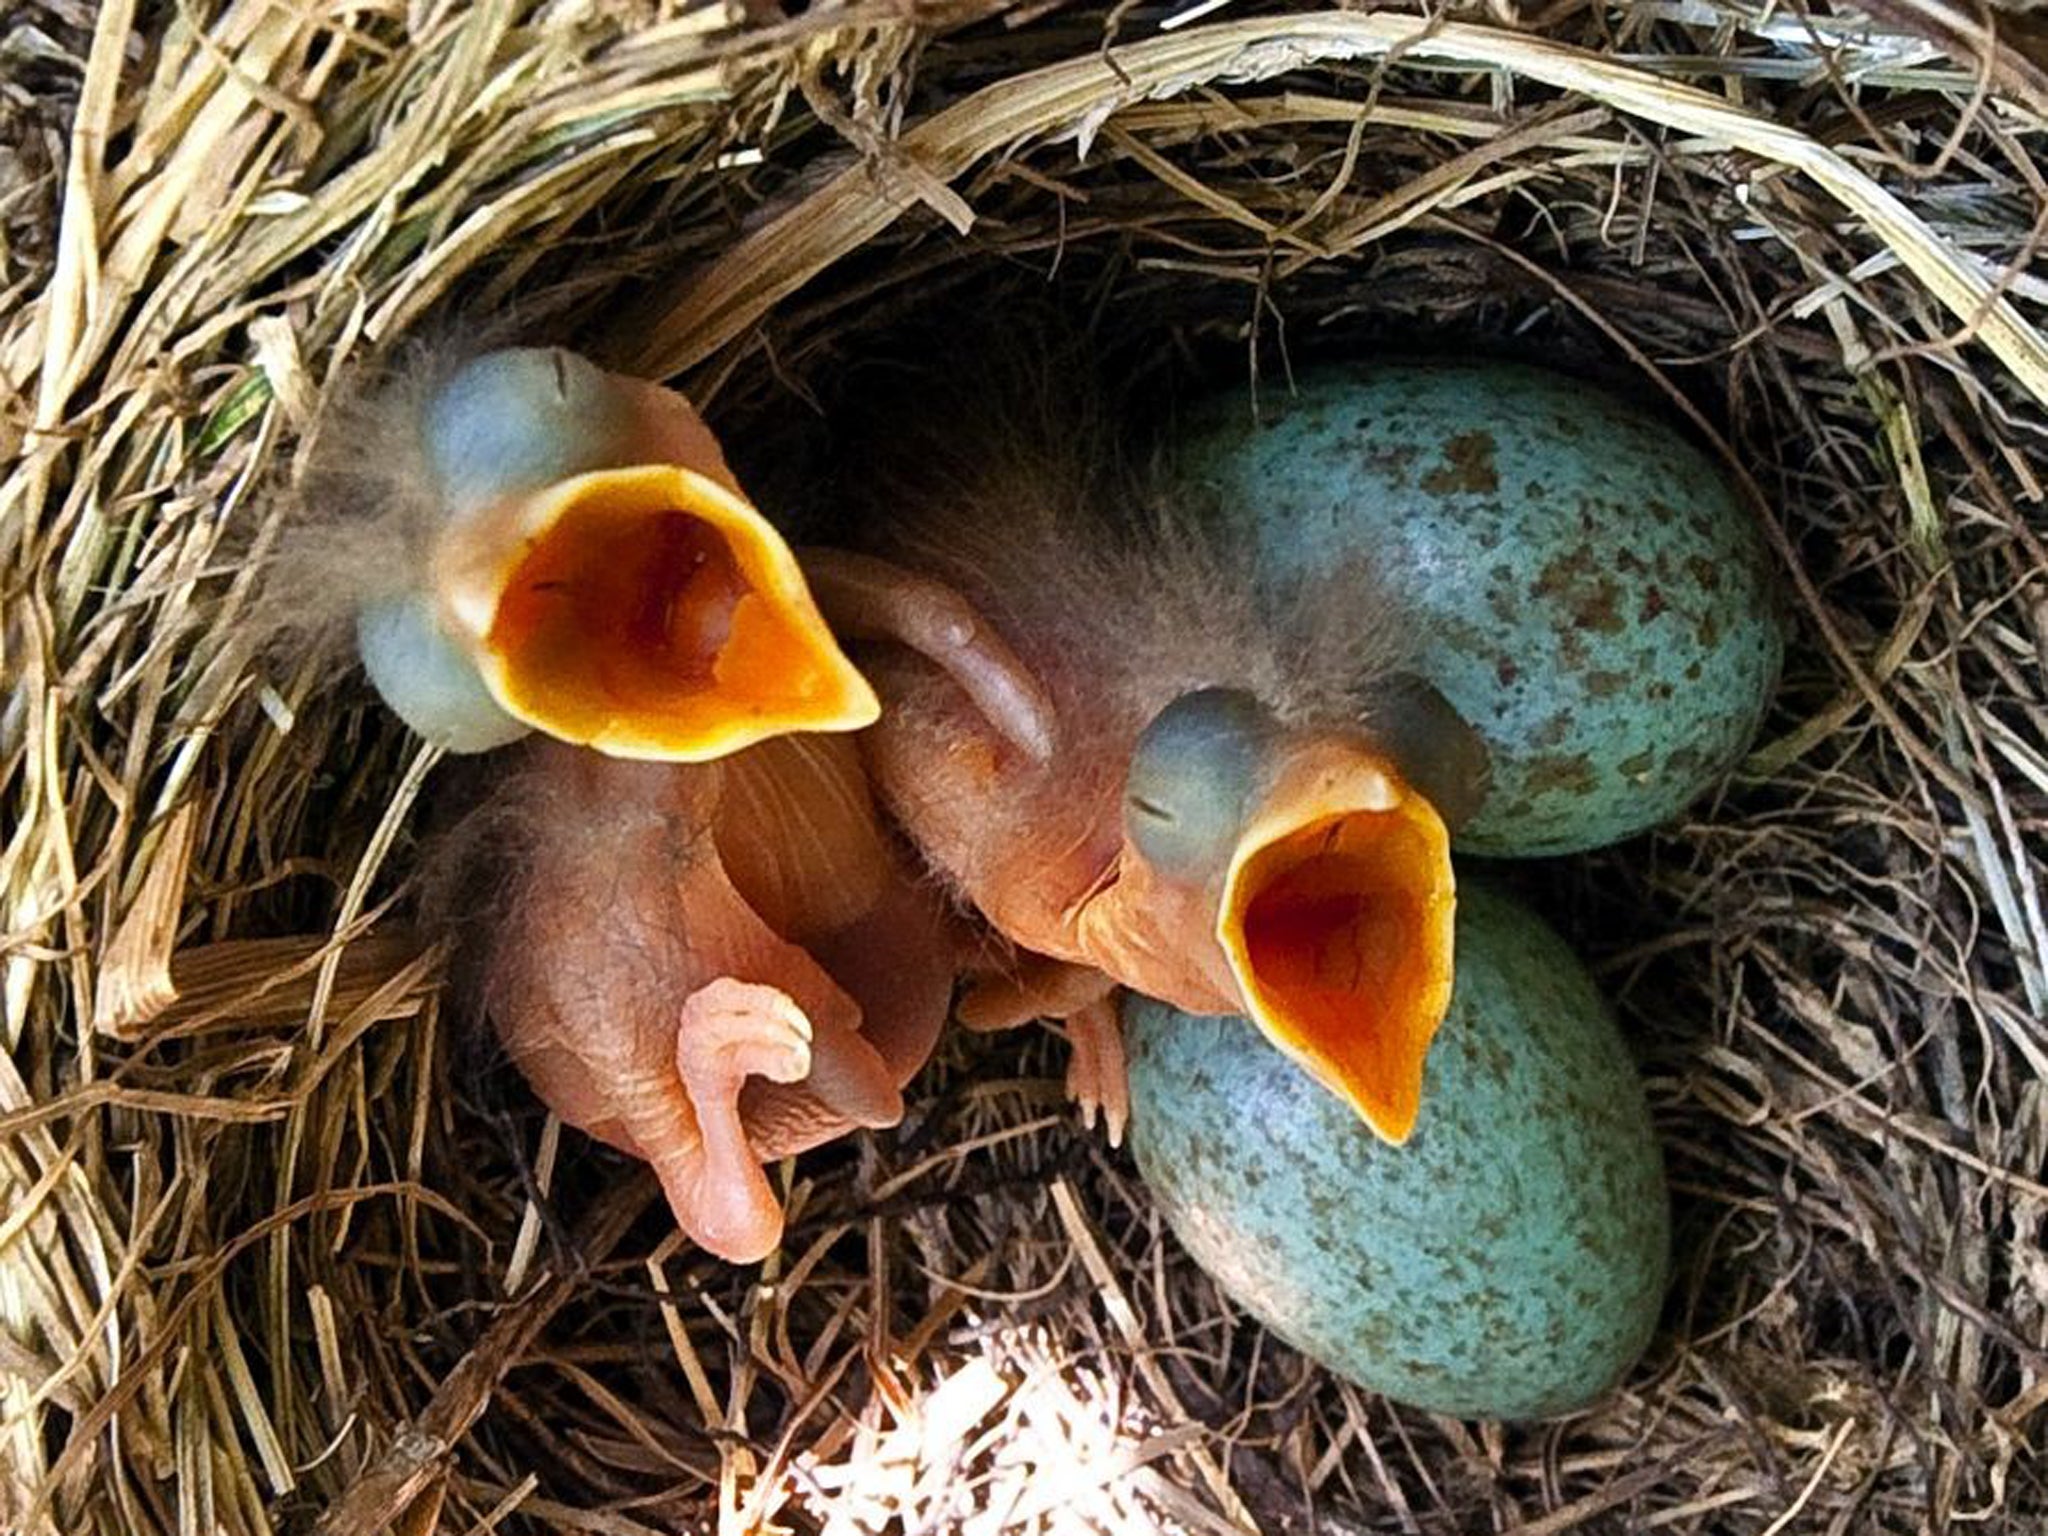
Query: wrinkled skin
x,y
1295,865
710,966
705,948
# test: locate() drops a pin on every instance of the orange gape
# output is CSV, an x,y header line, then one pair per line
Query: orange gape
x,y
706,948
621,613
711,951
1340,935
1230,815
650,612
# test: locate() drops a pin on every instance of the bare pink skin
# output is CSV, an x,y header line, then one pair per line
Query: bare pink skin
x,y
1103,609
1038,847
712,966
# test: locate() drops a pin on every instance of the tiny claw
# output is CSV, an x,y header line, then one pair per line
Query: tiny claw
x,y
871,599
1040,987
1097,1079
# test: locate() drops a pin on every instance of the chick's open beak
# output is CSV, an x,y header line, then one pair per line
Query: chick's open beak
x,y
649,612
1336,922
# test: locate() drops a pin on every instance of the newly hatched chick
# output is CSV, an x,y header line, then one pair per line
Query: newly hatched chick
x,y
708,966
1244,807
701,943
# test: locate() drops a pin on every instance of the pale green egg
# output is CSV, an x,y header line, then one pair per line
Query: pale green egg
x,y
1508,1261
1585,588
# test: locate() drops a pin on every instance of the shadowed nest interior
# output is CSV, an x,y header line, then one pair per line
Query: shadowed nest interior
x,y
283,1249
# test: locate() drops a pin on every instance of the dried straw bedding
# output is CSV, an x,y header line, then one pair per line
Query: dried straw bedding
x,y
282,1248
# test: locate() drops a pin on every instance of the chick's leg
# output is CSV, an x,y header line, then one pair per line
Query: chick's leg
x,y
1034,987
706,1146
729,1031
641,992
791,1024
1039,987
871,599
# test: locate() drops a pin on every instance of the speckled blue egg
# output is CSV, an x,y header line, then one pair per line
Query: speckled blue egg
x,y
1585,587
1508,1261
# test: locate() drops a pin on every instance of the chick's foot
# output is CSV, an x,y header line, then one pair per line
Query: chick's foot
x,y
1097,1077
730,1031
1086,1001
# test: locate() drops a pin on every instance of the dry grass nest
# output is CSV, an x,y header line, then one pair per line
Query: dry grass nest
x,y
283,1249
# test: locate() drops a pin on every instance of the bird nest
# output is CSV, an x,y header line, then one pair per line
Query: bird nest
x,y
283,1248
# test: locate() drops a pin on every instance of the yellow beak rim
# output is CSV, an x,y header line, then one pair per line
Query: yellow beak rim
x,y
647,612
1336,920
